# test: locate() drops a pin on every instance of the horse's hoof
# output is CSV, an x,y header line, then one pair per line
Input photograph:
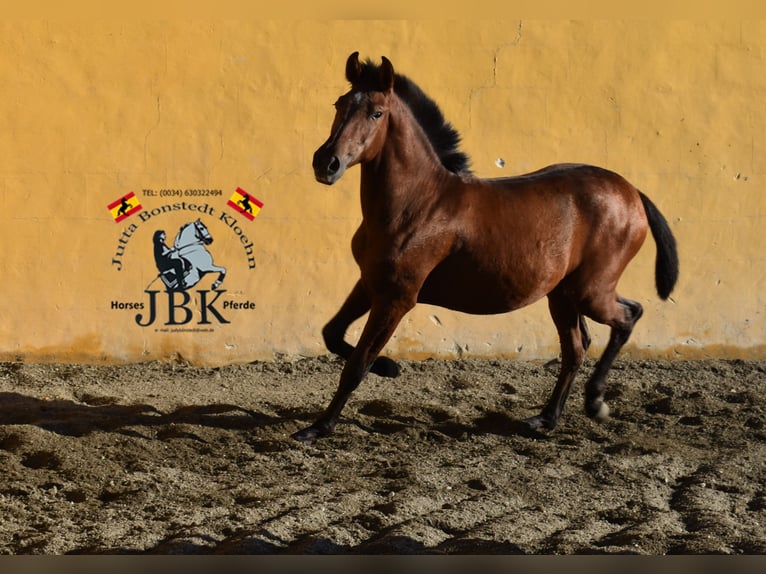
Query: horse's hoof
x,y
540,423
599,411
310,434
385,367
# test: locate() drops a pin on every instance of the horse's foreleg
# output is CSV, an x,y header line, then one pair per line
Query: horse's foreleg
x,y
621,315
356,305
574,338
381,324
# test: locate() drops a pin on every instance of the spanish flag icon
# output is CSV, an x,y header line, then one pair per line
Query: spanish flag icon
x,y
245,203
124,207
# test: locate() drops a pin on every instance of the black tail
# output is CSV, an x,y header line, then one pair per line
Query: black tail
x,y
666,265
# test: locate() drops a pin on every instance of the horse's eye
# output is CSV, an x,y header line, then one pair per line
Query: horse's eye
x,y
376,115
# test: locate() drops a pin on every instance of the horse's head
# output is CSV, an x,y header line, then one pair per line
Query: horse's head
x,y
201,233
361,120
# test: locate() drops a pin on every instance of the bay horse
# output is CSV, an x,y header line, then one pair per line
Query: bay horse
x,y
434,233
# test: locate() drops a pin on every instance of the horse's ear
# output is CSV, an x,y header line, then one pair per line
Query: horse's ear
x,y
353,68
387,75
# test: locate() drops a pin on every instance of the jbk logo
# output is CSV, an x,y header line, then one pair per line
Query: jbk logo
x,y
180,268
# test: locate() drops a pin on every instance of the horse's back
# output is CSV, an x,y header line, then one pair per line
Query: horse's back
x,y
588,206
563,177
559,193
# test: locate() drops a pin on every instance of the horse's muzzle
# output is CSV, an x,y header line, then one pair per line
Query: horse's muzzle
x,y
327,166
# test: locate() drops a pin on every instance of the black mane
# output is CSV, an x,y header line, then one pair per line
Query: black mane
x,y
443,137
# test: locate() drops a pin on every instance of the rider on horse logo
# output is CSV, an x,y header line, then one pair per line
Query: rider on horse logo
x,y
183,265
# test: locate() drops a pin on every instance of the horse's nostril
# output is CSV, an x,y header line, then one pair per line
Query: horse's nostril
x,y
334,165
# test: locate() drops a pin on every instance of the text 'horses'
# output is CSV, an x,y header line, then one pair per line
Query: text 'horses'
x,y
434,233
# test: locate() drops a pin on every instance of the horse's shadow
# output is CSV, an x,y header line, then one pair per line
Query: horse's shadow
x,y
77,419
66,417
489,422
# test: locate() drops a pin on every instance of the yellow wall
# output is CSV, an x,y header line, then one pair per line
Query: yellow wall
x,y
92,111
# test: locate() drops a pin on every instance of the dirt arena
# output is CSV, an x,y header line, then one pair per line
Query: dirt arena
x,y
164,458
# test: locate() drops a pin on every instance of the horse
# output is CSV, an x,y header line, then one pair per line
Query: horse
x,y
189,245
432,232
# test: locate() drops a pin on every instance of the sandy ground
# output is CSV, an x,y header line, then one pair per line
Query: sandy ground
x,y
169,459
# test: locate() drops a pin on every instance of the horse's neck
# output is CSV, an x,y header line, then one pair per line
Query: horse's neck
x,y
181,239
404,172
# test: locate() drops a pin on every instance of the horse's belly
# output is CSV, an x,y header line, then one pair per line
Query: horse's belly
x,y
476,292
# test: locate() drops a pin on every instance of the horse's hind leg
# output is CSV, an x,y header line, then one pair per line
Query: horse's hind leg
x,y
221,277
621,315
356,304
584,333
574,338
